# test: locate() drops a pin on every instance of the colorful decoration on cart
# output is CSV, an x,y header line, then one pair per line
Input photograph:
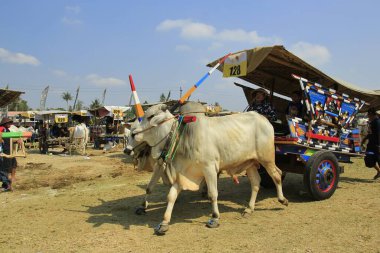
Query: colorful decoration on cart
x,y
324,137
138,107
192,89
327,105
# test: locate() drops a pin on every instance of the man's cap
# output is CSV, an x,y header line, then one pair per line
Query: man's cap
x,y
264,91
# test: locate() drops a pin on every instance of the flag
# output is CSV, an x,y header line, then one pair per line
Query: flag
x,y
104,96
43,98
76,98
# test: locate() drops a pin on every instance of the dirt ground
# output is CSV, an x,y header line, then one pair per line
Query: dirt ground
x,y
87,204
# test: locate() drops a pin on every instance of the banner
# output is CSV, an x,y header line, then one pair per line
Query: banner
x,y
104,96
76,98
43,98
235,65
117,114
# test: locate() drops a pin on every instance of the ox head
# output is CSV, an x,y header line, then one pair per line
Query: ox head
x,y
131,143
139,151
154,127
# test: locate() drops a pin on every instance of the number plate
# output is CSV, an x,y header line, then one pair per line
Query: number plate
x,y
61,118
235,65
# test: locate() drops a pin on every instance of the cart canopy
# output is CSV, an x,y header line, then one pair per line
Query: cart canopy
x,y
272,68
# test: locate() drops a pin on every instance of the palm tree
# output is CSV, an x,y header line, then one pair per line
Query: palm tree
x,y
95,104
67,97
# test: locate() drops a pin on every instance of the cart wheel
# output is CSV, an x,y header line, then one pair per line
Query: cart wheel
x,y
266,180
322,175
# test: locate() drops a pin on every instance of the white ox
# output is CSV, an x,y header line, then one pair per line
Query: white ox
x,y
233,143
79,136
141,153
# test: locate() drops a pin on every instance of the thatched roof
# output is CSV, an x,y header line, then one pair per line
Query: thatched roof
x,y
8,96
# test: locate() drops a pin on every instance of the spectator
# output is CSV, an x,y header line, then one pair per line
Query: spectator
x,y
7,165
372,158
261,105
295,107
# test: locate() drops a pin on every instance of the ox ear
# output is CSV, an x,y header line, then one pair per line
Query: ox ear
x,y
157,119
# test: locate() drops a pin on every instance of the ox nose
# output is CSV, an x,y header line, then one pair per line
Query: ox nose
x,y
128,151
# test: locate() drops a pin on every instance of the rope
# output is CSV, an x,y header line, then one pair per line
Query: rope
x,y
173,141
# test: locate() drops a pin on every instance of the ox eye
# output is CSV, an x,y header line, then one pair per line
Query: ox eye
x,y
150,117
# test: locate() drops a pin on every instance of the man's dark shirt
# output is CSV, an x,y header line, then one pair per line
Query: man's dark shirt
x,y
6,144
374,135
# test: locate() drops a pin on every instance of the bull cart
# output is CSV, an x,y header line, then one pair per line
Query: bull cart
x,y
318,144
52,129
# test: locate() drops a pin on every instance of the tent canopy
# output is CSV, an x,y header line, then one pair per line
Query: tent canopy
x,y
51,112
8,96
82,113
272,68
108,110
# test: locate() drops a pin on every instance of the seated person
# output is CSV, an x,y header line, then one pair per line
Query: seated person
x,y
110,128
261,105
295,107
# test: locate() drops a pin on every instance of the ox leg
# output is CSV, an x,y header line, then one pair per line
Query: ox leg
x,y
157,173
163,227
275,174
203,186
211,178
254,178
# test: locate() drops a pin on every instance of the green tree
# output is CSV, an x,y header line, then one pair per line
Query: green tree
x,y
95,104
19,105
67,97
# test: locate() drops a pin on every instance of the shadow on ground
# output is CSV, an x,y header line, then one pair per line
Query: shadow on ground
x,y
189,205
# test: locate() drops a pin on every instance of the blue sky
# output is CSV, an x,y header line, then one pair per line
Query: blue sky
x,y
166,44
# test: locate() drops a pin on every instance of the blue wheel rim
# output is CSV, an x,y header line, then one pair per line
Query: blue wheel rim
x,y
326,176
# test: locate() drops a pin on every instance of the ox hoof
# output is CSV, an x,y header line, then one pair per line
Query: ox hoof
x,y
247,212
212,223
284,201
140,210
161,229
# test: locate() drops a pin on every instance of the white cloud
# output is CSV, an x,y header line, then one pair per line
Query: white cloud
x,y
240,35
17,58
71,21
183,48
74,9
171,24
104,81
315,54
188,29
195,30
